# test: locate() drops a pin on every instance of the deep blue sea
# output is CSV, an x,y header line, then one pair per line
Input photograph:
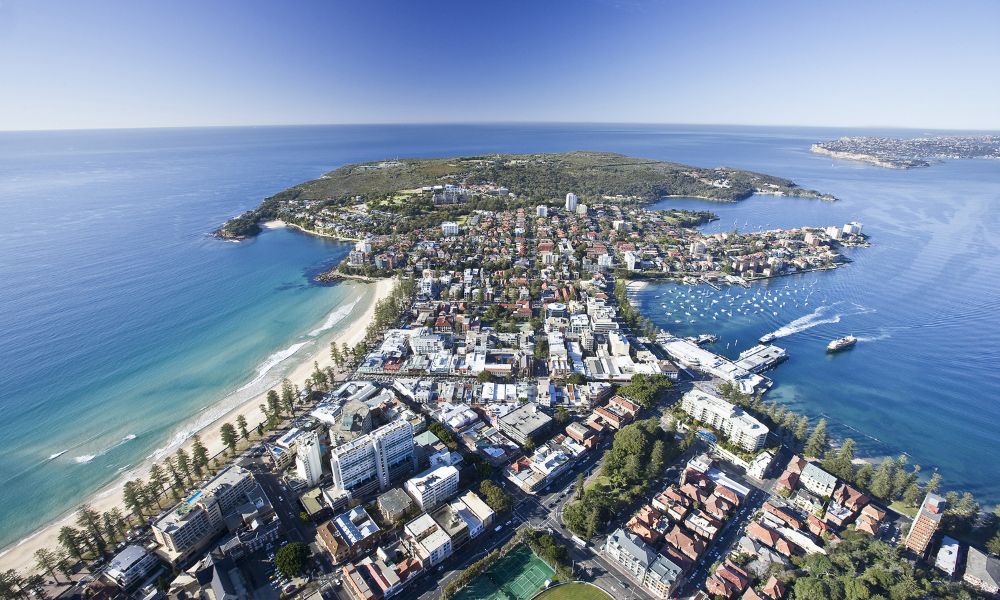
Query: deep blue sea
x,y
122,321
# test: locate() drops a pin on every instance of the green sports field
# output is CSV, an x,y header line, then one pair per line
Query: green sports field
x,y
517,576
574,591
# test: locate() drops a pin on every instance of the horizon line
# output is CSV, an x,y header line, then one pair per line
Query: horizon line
x,y
498,122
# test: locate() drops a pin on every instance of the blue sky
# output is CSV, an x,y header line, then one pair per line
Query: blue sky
x,y
144,63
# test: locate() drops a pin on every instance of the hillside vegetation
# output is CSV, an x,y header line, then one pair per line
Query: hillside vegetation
x,y
593,176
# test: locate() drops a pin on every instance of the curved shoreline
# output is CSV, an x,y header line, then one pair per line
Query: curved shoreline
x,y
19,555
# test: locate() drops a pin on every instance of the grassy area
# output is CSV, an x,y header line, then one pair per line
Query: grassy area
x,y
903,509
574,591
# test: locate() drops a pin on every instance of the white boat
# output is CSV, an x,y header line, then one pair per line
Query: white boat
x,y
841,344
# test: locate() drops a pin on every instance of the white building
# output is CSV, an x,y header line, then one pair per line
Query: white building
x,y
758,468
852,228
449,228
654,571
425,341
432,487
739,427
947,556
373,460
427,540
131,566
817,481
571,200
541,210
479,508
308,461
195,521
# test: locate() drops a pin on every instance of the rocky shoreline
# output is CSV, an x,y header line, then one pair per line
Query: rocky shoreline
x,y
901,164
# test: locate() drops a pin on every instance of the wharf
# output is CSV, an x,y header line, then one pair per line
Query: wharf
x,y
761,358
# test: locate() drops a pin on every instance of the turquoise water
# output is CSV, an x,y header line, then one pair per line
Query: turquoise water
x,y
122,320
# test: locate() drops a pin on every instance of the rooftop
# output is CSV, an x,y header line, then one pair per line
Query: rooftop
x,y
526,420
355,525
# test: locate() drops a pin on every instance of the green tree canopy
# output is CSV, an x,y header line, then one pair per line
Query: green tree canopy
x,y
291,559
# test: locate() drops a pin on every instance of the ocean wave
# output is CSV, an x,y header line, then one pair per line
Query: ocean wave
x,y
270,362
86,458
210,414
334,317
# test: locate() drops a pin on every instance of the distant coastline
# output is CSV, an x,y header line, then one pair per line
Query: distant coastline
x,y
868,158
911,153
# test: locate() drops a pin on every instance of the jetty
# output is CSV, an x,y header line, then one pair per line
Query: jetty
x,y
761,358
691,356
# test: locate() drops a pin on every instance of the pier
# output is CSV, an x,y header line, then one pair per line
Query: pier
x,y
761,358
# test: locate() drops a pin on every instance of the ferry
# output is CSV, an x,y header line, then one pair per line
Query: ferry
x,y
841,344
770,337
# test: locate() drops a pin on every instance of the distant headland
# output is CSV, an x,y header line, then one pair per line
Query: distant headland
x,y
414,187
898,153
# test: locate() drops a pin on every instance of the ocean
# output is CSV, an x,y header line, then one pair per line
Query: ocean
x,y
123,321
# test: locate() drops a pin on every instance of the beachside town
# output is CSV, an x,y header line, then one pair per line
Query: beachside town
x,y
514,424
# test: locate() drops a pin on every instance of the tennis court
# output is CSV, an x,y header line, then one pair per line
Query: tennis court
x,y
517,576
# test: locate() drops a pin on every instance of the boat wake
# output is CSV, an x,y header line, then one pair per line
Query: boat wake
x,y
86,458
873,338
334,317
820,316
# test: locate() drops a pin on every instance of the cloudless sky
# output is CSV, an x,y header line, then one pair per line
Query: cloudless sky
x,y
146,63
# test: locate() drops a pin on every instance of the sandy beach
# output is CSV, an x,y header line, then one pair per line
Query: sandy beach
x,y
20,556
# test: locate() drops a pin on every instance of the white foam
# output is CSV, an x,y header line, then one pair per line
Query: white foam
x,y
272,361
816,318
336,316
212,413
86,458
873,338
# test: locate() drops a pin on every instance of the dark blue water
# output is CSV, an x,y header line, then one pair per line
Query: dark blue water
x,y
122,321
